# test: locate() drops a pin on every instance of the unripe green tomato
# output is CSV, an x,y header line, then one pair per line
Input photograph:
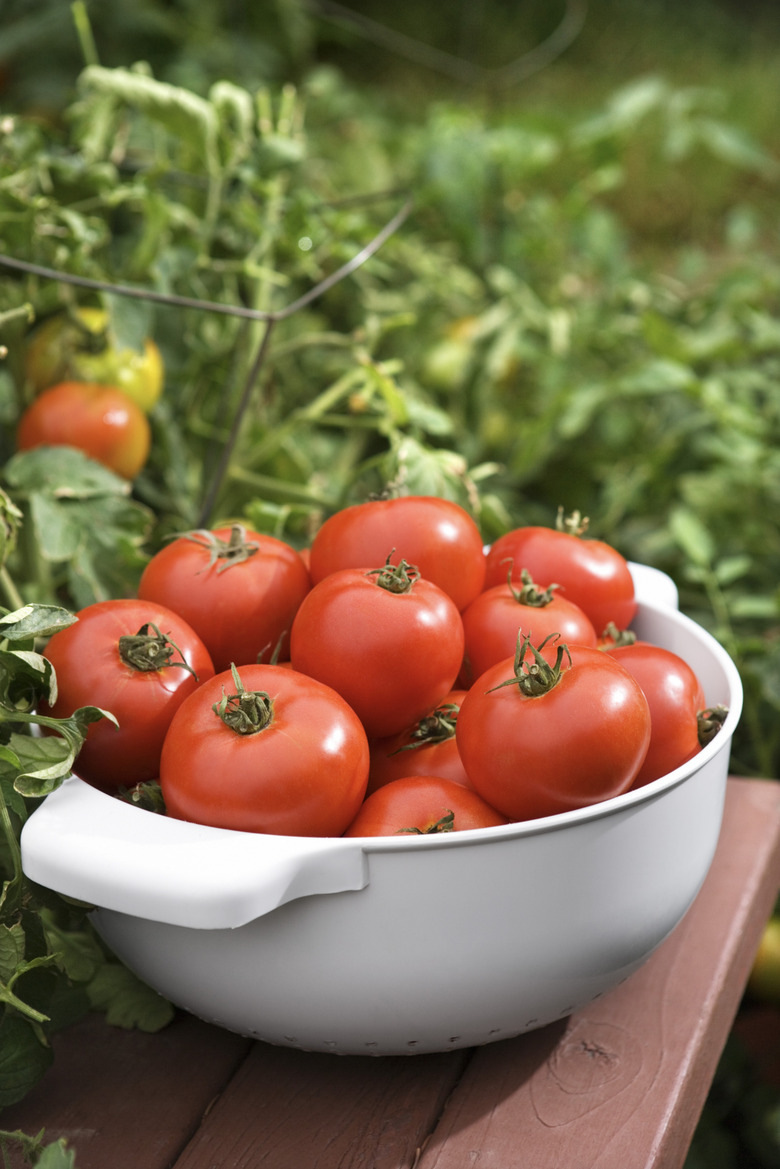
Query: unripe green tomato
x,y
62,349
764,981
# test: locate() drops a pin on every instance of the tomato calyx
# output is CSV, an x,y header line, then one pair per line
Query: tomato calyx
x,y
235,550
530,594
539,676
145,651
710,722
614,638
437,727
575,524
445,824
246,711
395,578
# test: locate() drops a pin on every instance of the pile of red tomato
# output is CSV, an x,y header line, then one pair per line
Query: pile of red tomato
x,y
395,677
90,392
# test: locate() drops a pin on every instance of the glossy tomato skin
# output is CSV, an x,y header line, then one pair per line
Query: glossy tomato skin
x,y
675,698
99,420
427,748
243,610
492,621
80,348
591,573
90,671
581,742
427,803
436,535
392,656
304,774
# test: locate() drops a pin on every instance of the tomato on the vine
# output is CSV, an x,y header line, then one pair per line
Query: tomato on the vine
x,y
427,748
589,572
99,420
78,345
422,805
492,621
436,535
537,739
388,640
239,589
265,749
676,702
137,660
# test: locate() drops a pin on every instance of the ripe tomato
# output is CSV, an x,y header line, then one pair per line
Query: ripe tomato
x,y
537,739
137,660
100,420
389,641
79,346
675,697
493,620
427,748
237,588
436,535
264,749
588,572
421,805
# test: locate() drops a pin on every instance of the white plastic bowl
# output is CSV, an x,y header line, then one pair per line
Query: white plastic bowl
x,y
396,945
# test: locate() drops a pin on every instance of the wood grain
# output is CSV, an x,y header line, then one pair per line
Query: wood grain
x,y
622,1083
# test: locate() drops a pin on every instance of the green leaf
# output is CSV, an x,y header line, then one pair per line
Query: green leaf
x,y
692,536
57,1155
183,113
23,1058
12,942
34,621
127,1001
62,473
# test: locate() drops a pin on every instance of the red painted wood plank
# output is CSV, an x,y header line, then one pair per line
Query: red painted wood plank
x,y
126,1099
289,1109
623,1082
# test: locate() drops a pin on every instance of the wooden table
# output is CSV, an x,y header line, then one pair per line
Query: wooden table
x,y
619,1085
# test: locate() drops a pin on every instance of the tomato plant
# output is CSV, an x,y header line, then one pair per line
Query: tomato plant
x,y
591,573
239,589
99,420
388,640
537,739
137,660
493,620
676,702
79,345
265,749
422,805
427,748
436,535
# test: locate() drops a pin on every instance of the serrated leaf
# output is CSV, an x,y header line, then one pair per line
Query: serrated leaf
x,y
126,1001
35,621
62,472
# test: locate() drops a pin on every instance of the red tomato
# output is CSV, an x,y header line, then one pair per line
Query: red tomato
x,y
537,739
237,588
101,421
420,805
590,573
427,748
492,621
113,658
436,535
265,749
675,697
390,642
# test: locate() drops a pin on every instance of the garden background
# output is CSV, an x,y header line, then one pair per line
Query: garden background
x,y
570,297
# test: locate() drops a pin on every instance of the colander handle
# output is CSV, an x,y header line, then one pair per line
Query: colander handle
x,y
92,847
